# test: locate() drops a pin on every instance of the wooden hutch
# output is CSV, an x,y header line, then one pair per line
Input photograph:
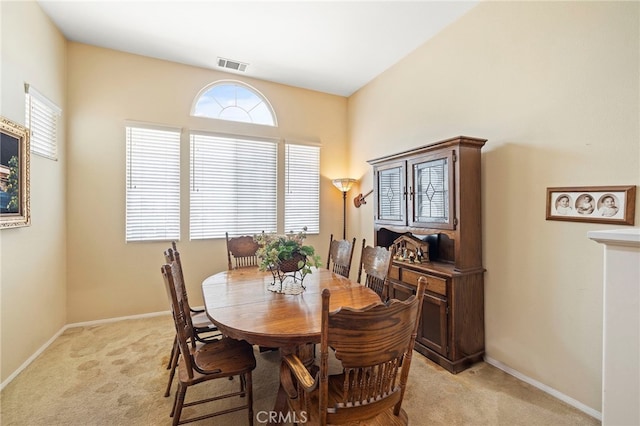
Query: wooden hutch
x,y
427,203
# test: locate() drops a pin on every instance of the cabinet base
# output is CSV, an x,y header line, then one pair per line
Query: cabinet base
x,y
452,366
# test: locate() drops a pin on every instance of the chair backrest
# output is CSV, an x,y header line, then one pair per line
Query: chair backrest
x,y
341,254
375,262
374,345
168,253
242,250
172,257
181,316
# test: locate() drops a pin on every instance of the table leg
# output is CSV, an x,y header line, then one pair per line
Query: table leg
x,y
306,353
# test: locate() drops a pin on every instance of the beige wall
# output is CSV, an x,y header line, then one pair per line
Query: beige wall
x,y
109,278
33,259
554,87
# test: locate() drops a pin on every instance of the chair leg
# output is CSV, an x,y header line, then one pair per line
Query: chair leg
x,y
243,384
174,365
174,348
176,412
249,387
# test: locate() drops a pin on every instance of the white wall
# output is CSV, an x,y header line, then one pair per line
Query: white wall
x,y
554,88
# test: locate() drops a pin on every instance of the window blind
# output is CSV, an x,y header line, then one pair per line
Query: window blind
x,y
153,184
302,188
233,186
41,118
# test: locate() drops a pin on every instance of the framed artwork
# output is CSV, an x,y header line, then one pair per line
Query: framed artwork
x,y
14,175
597,204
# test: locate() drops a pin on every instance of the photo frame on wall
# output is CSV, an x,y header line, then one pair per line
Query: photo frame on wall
x,y
597,204
14,175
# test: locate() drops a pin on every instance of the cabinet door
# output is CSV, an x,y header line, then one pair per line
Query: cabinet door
x,y
431,191
432,331
391,193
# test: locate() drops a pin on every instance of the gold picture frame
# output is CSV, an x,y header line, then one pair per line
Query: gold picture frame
x,y
15,205
596,204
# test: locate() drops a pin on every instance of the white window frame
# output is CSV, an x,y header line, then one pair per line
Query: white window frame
x,y
302,187
152,182
233,185
214,208
234,108
41,118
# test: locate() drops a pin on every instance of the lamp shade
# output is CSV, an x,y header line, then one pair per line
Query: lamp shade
x,y
344,184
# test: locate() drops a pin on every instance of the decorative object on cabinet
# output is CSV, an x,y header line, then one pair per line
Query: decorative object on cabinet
x,y
411,249
15,204
597,204
344,185
430,197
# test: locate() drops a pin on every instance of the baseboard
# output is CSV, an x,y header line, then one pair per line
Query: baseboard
x,y
73,325
31,358
108,320
556,394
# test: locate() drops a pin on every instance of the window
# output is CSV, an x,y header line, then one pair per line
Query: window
x,y
302,188
236,183
234,101
41,118
153,183
233,186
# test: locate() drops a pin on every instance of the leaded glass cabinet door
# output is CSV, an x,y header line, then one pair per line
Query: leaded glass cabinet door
x,y
391,194
431,192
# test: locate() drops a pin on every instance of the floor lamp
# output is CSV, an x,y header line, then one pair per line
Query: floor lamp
x,y
344,185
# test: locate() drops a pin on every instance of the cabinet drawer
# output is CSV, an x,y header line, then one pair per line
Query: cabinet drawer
x,y
394,273
436,285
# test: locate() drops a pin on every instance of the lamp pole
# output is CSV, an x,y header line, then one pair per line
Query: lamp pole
x,y
344,215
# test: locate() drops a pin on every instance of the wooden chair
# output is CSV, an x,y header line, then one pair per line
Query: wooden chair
x,y
201,323
222,358
374,346
204,330
376,264
242,250
340,254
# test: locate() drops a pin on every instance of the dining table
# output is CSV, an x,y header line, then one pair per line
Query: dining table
x,y
240,303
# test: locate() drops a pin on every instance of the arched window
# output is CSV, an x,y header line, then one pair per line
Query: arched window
x,y
233,101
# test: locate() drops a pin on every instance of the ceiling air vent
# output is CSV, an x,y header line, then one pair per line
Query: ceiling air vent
x,y
232,65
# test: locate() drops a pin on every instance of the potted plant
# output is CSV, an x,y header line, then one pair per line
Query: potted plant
x,y
282,254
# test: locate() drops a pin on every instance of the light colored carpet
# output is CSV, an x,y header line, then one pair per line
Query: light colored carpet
x,y
114,374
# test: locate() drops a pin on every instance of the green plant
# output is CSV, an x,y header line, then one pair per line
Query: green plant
x,y
275,249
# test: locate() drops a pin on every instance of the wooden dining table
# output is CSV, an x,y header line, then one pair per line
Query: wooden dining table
x,y
240,304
